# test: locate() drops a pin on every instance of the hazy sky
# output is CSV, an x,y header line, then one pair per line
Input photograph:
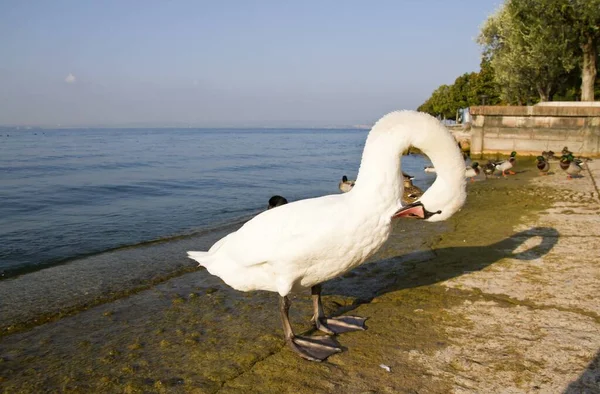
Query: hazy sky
x,y
229,63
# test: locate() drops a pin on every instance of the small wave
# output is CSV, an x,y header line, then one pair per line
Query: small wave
x,y
18,270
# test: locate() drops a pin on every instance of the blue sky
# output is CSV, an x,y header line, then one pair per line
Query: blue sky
x,y
229,63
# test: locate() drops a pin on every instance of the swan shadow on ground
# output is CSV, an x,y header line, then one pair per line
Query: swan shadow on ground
x,y
589,380
428,267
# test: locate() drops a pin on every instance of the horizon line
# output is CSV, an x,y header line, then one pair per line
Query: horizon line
x,y
159,126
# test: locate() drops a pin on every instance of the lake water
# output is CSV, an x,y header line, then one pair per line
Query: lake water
x,y
69,193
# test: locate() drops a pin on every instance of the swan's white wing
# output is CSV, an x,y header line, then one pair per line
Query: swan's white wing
x,y
291,232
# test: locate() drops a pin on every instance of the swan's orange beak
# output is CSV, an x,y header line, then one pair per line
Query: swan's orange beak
x,y
416,210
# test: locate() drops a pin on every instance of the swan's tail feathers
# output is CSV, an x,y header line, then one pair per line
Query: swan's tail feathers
x,y
200,257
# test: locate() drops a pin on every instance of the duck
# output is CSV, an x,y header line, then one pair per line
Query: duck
x,y
579,159
472,171
542,165
300,245
506,165
276,201
346,185
411,192
570,165
489,168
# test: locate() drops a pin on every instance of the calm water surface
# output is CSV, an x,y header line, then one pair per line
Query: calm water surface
x,y
70,193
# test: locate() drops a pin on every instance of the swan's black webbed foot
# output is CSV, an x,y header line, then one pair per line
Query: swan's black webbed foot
x,y
314,348
333,325
310,348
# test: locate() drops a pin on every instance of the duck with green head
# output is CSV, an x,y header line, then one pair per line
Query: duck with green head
x,y
542,165
570,165
506,165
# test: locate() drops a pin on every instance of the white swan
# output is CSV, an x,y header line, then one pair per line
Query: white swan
x,y
305,243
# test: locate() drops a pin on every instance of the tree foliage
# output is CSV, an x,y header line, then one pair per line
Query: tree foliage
x,y
534,45
530,46
533,50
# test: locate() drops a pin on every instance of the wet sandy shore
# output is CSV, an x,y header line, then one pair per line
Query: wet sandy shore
x,y
502,298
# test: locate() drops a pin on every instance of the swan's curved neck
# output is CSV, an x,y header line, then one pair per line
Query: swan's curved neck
x,y
380,174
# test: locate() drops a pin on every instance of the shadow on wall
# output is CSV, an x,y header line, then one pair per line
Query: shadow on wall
x,y
589,380
428,267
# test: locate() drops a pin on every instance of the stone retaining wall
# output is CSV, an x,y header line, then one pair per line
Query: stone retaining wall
x,y
533,129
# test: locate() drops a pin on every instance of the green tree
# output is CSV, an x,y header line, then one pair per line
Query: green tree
x,y
484,89
583,16
439,104
502,54
534,46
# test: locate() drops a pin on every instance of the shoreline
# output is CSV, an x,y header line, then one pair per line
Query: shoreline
x,y
100,278
474,304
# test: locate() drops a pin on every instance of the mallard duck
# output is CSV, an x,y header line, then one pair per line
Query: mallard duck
x,y
411,192
506,165
570,165
302,244
489,168
542,165
346,185
276,201
472,171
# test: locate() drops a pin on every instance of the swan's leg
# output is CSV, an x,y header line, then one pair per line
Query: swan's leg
x,y
334,325
310,348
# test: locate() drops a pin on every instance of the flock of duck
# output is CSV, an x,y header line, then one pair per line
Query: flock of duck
x,y
296,246
571,165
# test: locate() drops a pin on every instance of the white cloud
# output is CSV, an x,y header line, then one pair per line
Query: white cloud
x,y
70,78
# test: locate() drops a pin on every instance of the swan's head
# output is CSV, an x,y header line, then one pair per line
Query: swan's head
x,y
448,193
445,197
380,167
